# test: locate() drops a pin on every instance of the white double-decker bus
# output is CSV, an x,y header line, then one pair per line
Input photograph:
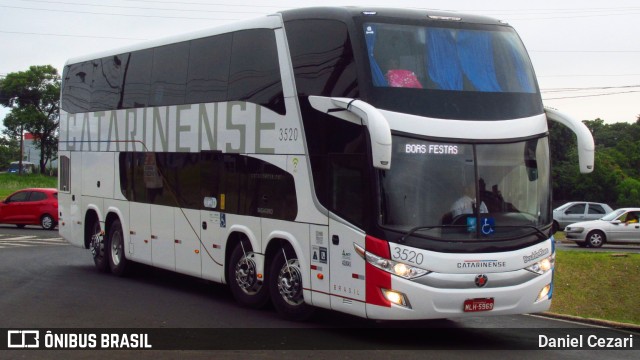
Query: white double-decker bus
x,y
386,163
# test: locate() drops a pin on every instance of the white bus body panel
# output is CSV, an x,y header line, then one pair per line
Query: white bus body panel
x,y
319,264
464,129
348,285
97,174
162,237
214,239
187,242
139,248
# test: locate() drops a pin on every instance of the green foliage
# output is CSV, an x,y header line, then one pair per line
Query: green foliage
x,y
33,97
616,177
9,151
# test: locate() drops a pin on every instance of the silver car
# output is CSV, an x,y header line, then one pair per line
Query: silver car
x,y
575,211
619,226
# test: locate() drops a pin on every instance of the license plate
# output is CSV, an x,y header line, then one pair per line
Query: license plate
x,y
474,305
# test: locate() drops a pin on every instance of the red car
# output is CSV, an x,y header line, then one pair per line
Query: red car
x,y
31,207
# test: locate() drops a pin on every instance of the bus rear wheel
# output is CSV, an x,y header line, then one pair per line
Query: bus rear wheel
x,y
242,274
286,286
117,259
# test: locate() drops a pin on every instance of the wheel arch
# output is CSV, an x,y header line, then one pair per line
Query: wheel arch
x,y
236,235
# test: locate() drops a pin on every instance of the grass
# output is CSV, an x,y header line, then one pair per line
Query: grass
x,y
600,285
12,182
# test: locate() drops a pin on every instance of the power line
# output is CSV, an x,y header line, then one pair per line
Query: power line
x,y
586,75
588,88
200,3
70,35
140,8
110,14
584,51
593,95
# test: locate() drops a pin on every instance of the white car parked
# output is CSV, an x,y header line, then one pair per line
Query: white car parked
x,y
575,211
618,226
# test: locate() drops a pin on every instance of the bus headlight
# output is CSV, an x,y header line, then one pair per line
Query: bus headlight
x,y
396,297
543,265
393,267
545,293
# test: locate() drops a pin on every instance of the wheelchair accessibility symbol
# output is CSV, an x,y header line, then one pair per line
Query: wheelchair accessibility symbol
x,y
487,225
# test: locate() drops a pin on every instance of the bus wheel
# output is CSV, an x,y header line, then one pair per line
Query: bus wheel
x,y
117,259
242,274
96,245
285,285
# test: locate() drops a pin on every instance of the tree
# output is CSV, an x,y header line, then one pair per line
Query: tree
x,y
8,150
34,99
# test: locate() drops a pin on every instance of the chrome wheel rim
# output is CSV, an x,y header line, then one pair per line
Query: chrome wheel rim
x,y
247,276
97,244
595,240
116,247
290,283
47,221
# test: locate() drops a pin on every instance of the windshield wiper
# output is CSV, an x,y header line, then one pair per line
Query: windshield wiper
x,y
403,238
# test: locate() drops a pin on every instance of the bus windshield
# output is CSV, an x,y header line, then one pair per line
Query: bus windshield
x,y
466,192
466,72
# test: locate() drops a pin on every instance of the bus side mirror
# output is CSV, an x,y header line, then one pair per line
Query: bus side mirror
x,y
586,146
361,113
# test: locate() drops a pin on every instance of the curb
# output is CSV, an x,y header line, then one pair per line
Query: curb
x,y
607,323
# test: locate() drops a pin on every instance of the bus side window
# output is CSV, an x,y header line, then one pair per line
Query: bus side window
x,y
138,80
169,74
254,75
77,80
208,77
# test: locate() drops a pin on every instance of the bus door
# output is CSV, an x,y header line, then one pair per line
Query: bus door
x,y
347,269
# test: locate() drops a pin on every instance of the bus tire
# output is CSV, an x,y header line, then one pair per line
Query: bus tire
x,y
115,249
286,287
246,287
96,242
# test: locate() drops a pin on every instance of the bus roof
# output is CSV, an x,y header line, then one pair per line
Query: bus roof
x,y
273,21
349,12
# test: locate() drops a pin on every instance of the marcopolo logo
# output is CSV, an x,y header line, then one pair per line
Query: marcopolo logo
x,y
535,255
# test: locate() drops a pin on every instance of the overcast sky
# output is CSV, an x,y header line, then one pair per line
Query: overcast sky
x,y
586,53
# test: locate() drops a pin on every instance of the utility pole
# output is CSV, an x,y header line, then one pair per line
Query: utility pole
x,y
21,150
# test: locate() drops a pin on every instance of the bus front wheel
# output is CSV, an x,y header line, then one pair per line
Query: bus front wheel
x,y
286,288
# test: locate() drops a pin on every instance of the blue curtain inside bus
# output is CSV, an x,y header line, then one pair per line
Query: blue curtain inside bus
x,y
476,59
440,51
376,72
452,59
525,82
